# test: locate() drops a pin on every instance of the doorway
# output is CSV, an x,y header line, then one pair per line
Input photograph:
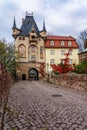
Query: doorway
x,y
23,76
33,74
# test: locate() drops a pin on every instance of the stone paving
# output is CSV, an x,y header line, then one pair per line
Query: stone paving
x,y
37,105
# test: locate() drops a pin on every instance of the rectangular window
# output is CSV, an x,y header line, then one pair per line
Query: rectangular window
x,y
70,53
52,52
70,61
62,52
19,38
23,38
62,60
52,61
33,58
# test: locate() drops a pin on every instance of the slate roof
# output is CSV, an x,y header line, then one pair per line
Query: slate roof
x,y
27,25
44,28
14,24
84,51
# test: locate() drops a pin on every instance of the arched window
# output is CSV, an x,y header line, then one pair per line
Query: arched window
x,y
22,51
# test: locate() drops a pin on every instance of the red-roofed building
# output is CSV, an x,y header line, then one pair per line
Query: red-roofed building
x,y
60,41
57,46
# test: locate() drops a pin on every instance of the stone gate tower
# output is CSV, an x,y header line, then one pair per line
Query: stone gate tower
x,y
29,44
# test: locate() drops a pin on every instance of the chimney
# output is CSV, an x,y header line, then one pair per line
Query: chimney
x,y
22,20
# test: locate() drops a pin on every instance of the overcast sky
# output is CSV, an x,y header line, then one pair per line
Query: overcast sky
x,y
62,17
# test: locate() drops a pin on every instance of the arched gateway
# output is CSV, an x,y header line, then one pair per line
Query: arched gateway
x,y
33,74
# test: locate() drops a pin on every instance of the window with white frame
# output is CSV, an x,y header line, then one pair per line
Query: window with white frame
x,y
70,61
63,61
52,61
62,43
70,53
52,43
52,52
69,43
62,52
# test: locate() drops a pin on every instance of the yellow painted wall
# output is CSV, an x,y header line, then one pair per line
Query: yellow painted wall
x,y
58,56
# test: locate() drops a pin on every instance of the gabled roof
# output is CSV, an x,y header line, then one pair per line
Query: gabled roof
x,y
57,42
27,25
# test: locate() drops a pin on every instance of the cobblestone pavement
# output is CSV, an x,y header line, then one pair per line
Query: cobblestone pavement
x,y
37,105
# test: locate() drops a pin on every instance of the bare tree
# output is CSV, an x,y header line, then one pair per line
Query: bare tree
x,y
81,40
83,35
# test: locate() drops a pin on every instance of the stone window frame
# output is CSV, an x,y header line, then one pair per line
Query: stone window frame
x,y
22,55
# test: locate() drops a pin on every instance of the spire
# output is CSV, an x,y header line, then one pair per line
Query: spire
x,y
44,28
14,24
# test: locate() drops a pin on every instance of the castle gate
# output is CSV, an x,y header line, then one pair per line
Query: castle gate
x,y
33,74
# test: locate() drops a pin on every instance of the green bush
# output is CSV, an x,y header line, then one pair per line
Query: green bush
x,y
81,68
56,72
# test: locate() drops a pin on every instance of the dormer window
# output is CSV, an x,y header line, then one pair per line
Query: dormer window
x,y
62,43
52,43
69,43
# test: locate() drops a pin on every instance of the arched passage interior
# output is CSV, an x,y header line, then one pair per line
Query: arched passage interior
x,y
33,74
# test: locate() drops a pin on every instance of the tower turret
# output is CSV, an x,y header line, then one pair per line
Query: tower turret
x,y
44,28
15,30
43,33
14,24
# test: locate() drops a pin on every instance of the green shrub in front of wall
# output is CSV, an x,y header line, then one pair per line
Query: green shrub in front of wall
x,y
81,68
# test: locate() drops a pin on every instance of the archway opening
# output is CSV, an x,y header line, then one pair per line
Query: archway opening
x,y
33,74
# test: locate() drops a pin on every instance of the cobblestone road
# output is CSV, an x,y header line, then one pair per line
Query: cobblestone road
x,y
37,105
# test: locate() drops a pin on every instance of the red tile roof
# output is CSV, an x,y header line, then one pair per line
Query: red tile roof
x,y
57,42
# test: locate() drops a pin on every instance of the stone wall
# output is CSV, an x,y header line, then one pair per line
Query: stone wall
x,y
71,80
5,83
